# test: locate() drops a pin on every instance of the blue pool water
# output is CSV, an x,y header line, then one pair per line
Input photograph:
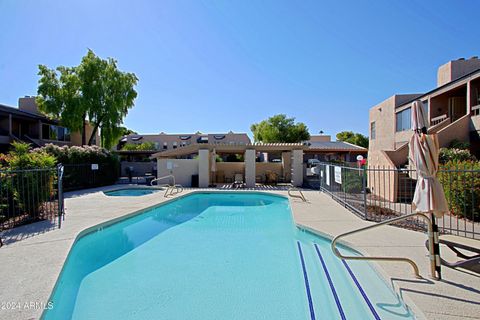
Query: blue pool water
x,y
217,256
132,192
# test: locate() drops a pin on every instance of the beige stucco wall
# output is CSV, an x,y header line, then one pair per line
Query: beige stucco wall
x,y
382,178
250,168
455,69
76,137
457,130
183,169
204,168
275,167
229,169
287,165
383,114
297,168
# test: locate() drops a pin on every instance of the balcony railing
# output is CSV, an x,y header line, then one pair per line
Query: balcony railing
x,y
437,120
476,110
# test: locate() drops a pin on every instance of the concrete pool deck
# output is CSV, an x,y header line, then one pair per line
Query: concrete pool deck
x,y
33,255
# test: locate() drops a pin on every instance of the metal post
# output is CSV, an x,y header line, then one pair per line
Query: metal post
x,y
364,188
436,248
60,169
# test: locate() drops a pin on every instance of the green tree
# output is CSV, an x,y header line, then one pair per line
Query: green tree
x,y
95,91
279,128
354,138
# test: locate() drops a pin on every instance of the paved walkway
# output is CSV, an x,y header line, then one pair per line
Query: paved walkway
x,y
34,255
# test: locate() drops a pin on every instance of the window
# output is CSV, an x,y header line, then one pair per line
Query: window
x,y
53,132
165,146
373,132
175,145
67,134
403,120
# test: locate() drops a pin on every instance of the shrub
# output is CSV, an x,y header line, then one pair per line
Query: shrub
x,y
461,182
352,181
448,155
78,160
457,144
23,183
142,146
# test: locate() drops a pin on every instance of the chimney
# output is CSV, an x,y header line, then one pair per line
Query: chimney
x,y
455,69
28,104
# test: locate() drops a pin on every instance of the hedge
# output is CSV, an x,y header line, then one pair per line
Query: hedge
x,y
461,182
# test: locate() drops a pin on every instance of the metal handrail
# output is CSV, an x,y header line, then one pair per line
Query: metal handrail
x,y
401,259
301,196
161,178
173,190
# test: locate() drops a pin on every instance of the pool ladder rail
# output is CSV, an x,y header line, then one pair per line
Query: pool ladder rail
x,y
300,196
172,189
398,259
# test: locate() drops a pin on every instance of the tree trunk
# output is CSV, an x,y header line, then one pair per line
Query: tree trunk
x,y
92,136
84,133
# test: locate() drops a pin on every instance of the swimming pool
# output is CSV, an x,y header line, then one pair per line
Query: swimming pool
x,y
216,256
130,192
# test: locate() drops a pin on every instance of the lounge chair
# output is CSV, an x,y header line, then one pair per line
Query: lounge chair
x,y
238,181
455,243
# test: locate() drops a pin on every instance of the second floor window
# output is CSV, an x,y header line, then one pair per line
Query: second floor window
x,y
403,120
55,133
373,132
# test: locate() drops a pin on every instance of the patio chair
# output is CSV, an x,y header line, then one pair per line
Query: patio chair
x,y
455,243
238,181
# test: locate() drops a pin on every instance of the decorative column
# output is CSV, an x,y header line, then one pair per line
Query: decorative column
x,y
287,165
297,168
250,168
203,168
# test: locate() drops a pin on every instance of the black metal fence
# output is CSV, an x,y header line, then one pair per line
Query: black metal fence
x,y
88,175
381,193
30,195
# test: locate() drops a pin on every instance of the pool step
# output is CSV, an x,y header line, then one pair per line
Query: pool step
x,y
331,286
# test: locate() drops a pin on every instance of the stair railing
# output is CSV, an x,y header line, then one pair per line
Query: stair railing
x,y
398,259
300,196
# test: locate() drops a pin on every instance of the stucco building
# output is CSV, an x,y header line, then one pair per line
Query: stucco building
x,y
26,123
452,110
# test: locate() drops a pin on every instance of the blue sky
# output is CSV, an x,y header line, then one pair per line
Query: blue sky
x,y
215,66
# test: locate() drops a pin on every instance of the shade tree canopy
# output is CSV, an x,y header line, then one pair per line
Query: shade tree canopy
x,y
353,138
280,128
95,91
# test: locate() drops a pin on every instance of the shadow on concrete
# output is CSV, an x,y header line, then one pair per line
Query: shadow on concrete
x,y
27,231
431,294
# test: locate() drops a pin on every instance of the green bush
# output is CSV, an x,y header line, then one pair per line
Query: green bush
x,y
457,144
448,155
145,146
77,162
352,181
30,188
461,182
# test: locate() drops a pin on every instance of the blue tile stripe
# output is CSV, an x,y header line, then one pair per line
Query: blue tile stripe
x,y
307,285
330,282
370,306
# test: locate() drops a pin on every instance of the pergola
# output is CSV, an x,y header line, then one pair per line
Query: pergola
x,y
292,159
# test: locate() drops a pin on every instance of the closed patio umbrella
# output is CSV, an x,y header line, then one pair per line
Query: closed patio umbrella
x,y
429,196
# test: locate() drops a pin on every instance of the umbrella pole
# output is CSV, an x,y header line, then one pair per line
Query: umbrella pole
x,y
436,248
